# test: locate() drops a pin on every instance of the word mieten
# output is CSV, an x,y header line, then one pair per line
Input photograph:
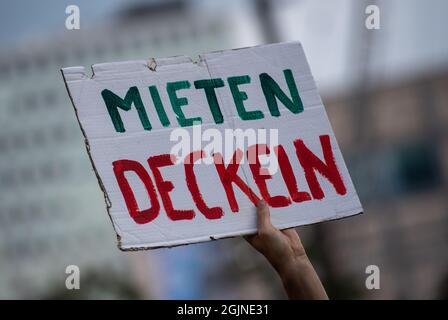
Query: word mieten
x,y
270,87
229,177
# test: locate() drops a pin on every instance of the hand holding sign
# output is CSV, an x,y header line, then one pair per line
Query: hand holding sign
x,y
285,252
157,197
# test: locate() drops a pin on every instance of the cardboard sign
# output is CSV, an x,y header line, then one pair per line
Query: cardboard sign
x,y
183,150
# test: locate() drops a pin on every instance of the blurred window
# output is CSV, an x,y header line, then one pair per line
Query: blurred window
x,y
386,173
418,167
5,71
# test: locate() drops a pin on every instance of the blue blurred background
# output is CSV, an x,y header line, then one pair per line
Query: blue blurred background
x,y
386,94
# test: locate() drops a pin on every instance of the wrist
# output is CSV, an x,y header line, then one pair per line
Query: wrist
x,y
296,265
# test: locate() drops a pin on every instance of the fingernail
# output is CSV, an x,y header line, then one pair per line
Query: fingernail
x,y
261,204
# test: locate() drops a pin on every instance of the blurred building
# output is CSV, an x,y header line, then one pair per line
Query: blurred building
x,y
400,168
52,213
386,103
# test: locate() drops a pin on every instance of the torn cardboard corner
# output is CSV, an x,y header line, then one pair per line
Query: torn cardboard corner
x,y
179,148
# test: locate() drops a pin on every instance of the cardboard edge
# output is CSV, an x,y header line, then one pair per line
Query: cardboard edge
x,y
152,64
230,235
264,45
87,145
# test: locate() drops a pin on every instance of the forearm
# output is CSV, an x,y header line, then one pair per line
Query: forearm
x,y
300,280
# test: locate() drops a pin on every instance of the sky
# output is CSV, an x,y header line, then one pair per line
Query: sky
x,y
412,38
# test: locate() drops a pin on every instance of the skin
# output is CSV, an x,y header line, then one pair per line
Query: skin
x,y
285,252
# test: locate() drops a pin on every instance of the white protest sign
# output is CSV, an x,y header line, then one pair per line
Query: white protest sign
x,y
184,150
